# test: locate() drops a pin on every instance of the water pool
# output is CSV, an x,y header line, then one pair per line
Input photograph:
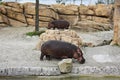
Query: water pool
x,y
60,78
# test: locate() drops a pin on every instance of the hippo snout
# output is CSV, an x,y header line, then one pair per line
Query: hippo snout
x,y
81,60
48,27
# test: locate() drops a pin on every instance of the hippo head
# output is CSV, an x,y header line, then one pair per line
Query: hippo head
x,y
79,56
50,25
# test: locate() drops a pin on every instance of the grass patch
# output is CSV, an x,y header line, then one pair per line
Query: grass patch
x,y
1,3
117,45
35,33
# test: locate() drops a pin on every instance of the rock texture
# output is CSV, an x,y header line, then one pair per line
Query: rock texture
x,y
63,35
25,14
65,65
92,17
41,71
116,38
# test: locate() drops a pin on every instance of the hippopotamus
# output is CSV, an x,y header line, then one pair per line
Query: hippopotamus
x,y
59,24
61,50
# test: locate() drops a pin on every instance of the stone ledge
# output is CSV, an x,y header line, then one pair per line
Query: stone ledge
x,y
54,71
22,71
97,70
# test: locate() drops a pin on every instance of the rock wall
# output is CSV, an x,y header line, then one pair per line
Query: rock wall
x,y
116,38
16,14
86,18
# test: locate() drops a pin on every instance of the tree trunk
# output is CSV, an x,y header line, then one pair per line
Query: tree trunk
x,y
107,1
81,2
116,37
37,16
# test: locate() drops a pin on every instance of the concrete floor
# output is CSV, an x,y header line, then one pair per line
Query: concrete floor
x,y
19,57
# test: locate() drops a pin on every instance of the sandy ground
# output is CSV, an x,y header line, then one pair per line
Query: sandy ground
x,y
18,50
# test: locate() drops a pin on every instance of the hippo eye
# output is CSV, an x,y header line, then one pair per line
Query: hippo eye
x,y
79,52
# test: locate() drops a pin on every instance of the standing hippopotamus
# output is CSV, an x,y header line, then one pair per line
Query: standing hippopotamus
x,y
60,49
59,24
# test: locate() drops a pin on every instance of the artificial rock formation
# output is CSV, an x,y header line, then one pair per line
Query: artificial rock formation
x,y
116,38
25,14
63,35
85,18
65,65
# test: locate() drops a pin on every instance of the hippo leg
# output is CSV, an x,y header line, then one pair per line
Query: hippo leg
x,y
41,57
48,57
53,28
66,27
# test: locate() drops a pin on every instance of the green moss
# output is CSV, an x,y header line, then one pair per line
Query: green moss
x,y
116,45
1,3
35,33
67,77
112,76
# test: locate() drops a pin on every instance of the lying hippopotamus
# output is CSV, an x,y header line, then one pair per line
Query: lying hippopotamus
x,y
61,50
59,24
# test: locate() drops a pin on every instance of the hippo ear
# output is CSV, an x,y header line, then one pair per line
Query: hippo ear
x,y
79,51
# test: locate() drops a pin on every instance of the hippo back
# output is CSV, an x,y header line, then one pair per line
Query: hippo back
x,y
58,48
